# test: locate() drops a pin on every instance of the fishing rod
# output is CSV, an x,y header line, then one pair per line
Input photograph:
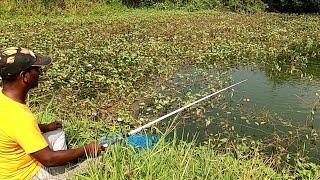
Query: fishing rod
x,y
124,135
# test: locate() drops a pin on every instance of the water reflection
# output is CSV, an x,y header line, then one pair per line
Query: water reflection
x,y
292,99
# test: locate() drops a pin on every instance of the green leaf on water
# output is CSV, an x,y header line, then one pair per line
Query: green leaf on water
x,y
224,140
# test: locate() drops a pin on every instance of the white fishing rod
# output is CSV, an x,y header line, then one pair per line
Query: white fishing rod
x,y
122,136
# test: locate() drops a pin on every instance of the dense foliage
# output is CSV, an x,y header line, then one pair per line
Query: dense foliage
x,y
47,6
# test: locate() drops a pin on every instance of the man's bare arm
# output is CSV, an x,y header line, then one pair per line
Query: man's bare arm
x,y
50,127
50,158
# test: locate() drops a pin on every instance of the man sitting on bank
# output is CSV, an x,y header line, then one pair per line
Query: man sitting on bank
x,y
26,153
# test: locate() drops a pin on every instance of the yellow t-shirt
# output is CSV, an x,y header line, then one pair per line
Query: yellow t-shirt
x,y
19,136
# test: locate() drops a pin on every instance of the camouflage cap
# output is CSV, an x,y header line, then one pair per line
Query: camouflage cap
x,y
16,59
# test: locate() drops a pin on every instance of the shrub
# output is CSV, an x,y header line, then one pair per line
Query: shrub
x,y
203,4
245,5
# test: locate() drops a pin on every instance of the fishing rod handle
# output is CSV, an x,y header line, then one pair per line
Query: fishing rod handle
x,y
114,140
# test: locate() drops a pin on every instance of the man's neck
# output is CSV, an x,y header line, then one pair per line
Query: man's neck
x,y
18,95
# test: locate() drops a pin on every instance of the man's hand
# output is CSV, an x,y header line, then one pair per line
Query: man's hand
x,y
93,148
50,127
54,126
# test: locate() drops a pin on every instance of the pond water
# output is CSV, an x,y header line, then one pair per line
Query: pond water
x,y
258,108
291,99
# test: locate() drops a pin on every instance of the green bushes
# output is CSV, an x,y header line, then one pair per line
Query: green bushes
x,y
44,7
245,5
300,6
191,5
84,6
36,6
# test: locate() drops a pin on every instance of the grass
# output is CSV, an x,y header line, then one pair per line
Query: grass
x,y
181,160
173,160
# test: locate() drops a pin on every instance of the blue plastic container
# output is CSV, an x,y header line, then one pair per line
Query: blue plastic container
x,y
138,141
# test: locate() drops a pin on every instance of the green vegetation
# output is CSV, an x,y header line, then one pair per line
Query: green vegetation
x,y
109,64
35,7
185,161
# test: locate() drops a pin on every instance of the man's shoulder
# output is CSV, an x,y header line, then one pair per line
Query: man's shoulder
x,y
7,104
15,114
14,107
